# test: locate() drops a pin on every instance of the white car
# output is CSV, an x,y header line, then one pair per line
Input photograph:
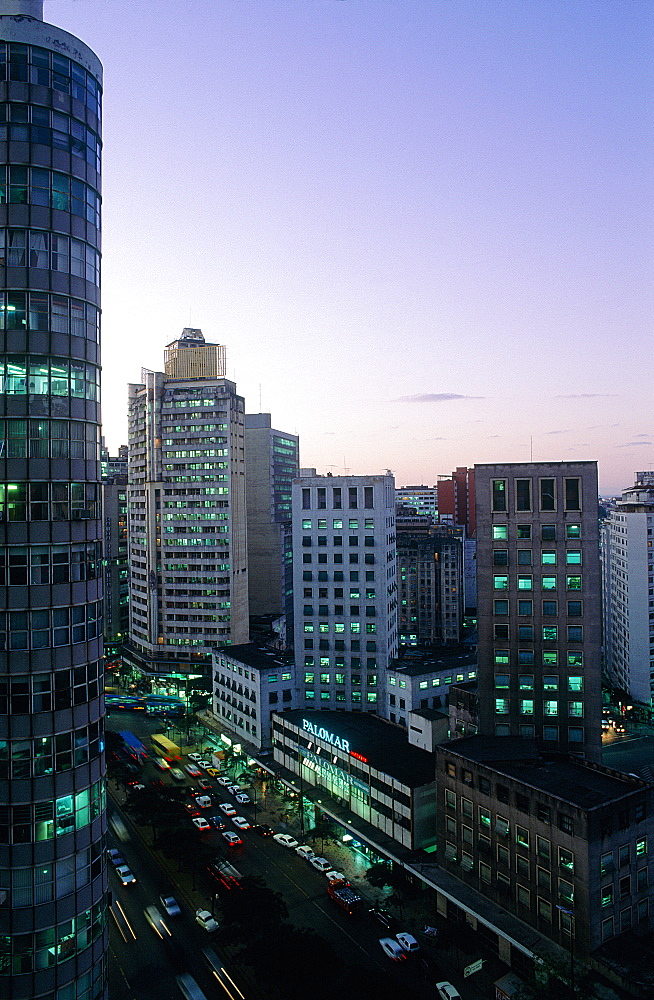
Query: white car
x,y
446,991
125,875
193,770
393,949
232,839
227,808
322,864
284,839
240,822
242,798
233,789
408,942
333,876
205,920
200,823
305,852
224,781
204,764
195,756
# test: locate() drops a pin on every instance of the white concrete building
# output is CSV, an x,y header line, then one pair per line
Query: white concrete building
x,y
628,568
187,521
345,591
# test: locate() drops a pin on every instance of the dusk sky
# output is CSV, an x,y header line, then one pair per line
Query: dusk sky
x,y
422,228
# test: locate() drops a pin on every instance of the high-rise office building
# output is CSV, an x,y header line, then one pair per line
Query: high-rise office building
x,y
345,590
628,569
430,585
53,934
271,461
539,604
187,521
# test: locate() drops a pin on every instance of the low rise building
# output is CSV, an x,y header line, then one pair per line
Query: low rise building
x,y
251,681
420,679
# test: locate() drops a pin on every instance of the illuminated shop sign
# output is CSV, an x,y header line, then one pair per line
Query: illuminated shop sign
x,y
324,734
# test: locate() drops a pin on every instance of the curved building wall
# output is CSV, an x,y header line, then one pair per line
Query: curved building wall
x,y
53,935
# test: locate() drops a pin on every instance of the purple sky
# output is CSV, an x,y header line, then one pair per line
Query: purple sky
x,y
423,228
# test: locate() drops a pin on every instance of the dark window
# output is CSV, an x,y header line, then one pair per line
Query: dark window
x,y
522,802
336,499
367,497
322,498
547,494
306,499
523,494
499,494
565,823
543,813
352,498
548,532
500,557
572,494
484,786
502,793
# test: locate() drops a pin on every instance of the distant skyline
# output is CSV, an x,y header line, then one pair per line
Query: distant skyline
x,y
422,229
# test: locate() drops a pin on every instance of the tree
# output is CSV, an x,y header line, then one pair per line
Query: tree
x,y
156,806
324,830
252,907
286,959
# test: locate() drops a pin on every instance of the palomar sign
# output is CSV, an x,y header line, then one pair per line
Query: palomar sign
x,y
324,734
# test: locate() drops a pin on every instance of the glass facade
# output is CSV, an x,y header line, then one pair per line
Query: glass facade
x,y
53,934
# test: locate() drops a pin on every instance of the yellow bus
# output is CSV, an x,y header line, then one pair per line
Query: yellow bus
x,y
165,748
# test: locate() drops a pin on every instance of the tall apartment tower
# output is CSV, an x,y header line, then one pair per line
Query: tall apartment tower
x,y
272,463
53,930
539,604
345,590
628,568
187,521
455,497
115,563
430,585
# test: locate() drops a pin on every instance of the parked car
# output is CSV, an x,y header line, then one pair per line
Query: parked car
x,y
194,756
321,864
393,949
233,789
284,839
114,855
170,905
200,823
263,830
205,920
191,808
225,781
445,991
203,763
213,771
232,839
205,784
227,808
408,942
203,801
241,822
305,852
242,798
333,876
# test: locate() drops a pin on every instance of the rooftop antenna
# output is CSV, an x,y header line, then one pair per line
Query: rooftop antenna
x,y
345,468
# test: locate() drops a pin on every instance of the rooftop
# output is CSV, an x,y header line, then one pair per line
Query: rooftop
x,y
579,782
384,745
257,655
425,661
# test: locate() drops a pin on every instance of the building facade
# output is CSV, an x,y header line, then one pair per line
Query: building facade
x,y
187,522
421,679
628,578
53,933
345,590
560,842
115,564
539,615
455,497
250,683
430,585
272,463
422,499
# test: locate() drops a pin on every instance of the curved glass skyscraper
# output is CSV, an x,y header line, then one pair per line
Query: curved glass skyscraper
x,y
52,806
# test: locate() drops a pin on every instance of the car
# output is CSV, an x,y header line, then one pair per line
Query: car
x,y
192,808
203,763
170,905
232,839
233,789
213,771
156,921
333,876
177,774
445,991
408,942
284,839
205,920
383,917
227,808
162,764
242,798
606,725
193,770
241,822
126,876
194,756
619,728
203,801
305,852
135,786
263,830
205,784
114,855
217,822
200,823
225,781
321,864
393,949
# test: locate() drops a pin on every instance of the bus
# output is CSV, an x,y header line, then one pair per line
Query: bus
x,y
127,703
159,704
132,747
165,748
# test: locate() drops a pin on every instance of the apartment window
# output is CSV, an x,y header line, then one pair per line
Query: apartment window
x,y
548,532
575,659
550,658
576,709
336,499
523,531
484,786
543,879
575,609
501,680
352,498
500,557
565,823
322,498
550,707
572,494
367,497
450,800
466,807
550,609
499,494
526,706
522,836
548,583
606,895
484,872
624,886
501,632
523,895
524,557
607,928
548,558
641,879
526,633
547,494
525,583
501,607
566,891
525,607
502,706
501,656
306,499
525,657
573,557
500,532
573,582
566,860
550,733
526,682
543,847
523,494
573,531
575,633
550,633
641,847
